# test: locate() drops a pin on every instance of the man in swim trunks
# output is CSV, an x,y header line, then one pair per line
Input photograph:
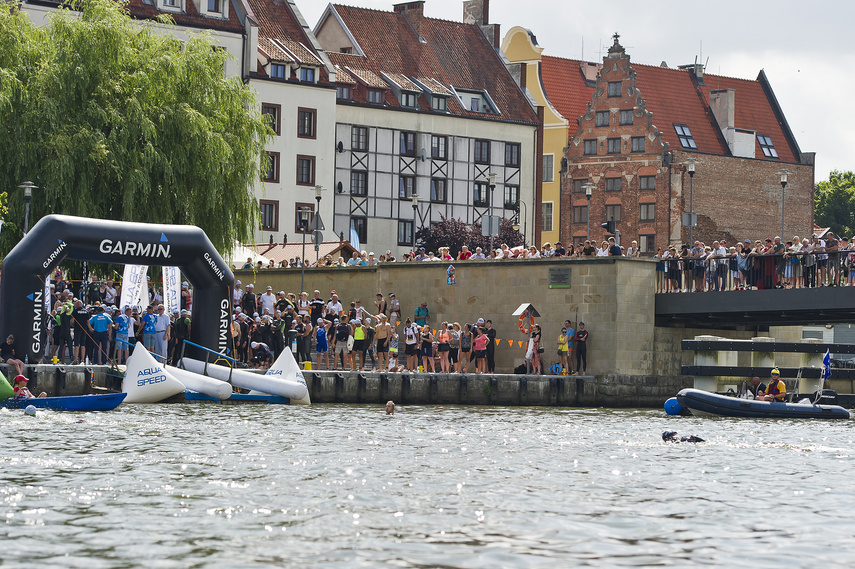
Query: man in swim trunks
x,y
383,333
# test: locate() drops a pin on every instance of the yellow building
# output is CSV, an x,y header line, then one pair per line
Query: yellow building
x,y
521,50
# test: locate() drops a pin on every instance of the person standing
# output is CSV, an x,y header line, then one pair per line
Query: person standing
x,y
162,331
383,335
122,325
491,346
563,341
411,343
427,349
581,350
181,331
394,309
421,316
100,324
321,346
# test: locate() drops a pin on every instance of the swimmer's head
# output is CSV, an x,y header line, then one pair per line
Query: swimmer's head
x,y
390,407
30,410
669,436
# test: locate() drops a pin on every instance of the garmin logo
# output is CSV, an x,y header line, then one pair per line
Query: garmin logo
x,y
225,328
62,245
134,249
37,299
217,270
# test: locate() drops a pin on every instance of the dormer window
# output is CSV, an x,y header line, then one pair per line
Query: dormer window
x,y
214,6
439,103
307,74
409,99
685,136
766,146
375,96
342,93
476,101
277,71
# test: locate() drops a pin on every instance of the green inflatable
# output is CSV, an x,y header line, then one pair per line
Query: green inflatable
x,y
6,390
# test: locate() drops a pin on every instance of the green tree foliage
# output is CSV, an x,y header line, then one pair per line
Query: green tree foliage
x,y
834,203
114,120
453,233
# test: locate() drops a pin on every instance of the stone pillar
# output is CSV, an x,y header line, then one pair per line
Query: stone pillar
x,y
763,359
711,358
807,385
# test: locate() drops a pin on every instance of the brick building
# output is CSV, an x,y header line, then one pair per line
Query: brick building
x,y
638,129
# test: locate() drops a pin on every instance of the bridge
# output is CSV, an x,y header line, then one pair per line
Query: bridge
x,y
756,309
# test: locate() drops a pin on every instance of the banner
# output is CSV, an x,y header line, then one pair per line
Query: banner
x,y
48,297
134,287
171,289
84,289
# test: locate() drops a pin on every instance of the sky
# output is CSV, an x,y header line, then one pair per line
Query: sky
x,y
804,48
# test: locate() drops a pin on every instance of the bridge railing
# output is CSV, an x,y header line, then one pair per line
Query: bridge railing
x,y
755,271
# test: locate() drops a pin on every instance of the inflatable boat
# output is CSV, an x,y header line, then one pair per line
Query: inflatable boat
x,y
106,402
707,403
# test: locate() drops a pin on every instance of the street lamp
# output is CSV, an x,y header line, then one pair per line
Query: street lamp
x,y
318,190
28,188
415,199
589,189
516,226
690,167
304,222
491,180
783,173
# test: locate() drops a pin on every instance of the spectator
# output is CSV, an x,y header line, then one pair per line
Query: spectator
x,y
581,350
422,315
491,346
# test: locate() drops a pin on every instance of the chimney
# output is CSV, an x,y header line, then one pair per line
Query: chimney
x,y
723,106
477,12
413,12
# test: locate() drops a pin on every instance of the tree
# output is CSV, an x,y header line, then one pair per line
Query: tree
x,y
834,203
453,233
113,120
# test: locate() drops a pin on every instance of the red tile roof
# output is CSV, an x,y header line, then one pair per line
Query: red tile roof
x,y
674,98
190,17
452,53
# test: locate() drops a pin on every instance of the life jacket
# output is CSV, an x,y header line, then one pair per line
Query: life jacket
x,y
773,387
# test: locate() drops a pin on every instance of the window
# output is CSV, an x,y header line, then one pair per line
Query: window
x,y
271,174
405,232
646,243
307,74
437,190
358,183
342,93
547,216
580,214
591,146
512,155
626,116
602,118
766,146
406,187
475,105
277,71
482,151
298,222
613,145
647,182
647,212
548,168
613,213
306,123
360,224
272,113
439,147
613,184
359,138
480,197
170,3
685,136
408,99
439,103
214,5
579,186
614,89
408,144
512,197
346,50
375,96
269,215
638,144
305,170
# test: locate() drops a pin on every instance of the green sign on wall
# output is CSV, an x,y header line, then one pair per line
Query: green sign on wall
x,y
559,277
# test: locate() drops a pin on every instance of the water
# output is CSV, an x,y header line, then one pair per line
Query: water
x,y
346,486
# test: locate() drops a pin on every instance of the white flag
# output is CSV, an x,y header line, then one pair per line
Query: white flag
x,y
134,288
171,289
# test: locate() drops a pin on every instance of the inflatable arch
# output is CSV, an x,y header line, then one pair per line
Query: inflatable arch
x,y
56,237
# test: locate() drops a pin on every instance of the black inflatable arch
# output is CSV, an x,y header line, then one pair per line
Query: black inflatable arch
x,y
55,237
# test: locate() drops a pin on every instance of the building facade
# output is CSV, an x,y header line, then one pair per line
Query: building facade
x,y
420,129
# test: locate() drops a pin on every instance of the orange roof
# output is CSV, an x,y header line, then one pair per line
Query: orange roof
x,y
452,53
286,251
674,98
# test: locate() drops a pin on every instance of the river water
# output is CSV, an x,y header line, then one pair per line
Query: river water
x,y
347,486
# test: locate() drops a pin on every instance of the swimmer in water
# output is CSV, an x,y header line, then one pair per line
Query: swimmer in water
x,y
30,411
390,407
672,437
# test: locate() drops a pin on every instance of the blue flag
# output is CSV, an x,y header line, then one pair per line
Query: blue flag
x,y
826,366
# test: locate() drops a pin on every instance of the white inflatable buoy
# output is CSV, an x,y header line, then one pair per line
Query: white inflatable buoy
x,y
203,384
286,367
146,380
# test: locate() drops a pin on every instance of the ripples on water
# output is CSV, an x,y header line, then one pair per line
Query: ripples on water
x,y
346,486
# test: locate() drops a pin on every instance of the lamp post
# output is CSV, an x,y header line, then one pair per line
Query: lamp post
x,y
690,167
516,226
415,199
784,173
589,189
304,222
28,188
491,180
318,190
